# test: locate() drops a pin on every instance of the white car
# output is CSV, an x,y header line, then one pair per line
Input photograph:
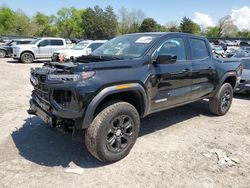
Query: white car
x,y
41,48
80,49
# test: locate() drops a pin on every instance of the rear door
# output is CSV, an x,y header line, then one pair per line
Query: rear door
x,y
56,44
203,68
172,82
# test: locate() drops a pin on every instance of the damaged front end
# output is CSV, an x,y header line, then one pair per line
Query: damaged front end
x,y
58,97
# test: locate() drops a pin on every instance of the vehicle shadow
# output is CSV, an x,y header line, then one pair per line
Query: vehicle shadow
x,y
242,96
18,62
46,146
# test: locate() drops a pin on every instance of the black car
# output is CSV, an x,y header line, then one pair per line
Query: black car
x,y
6,49
127,78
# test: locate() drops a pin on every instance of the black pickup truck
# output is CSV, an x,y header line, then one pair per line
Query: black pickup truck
x,y
129,77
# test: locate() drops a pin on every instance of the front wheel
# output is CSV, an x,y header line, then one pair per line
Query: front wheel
x,y
113,132
2,53
221,102
27,57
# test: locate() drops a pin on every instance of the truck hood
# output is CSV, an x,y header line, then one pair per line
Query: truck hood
x,y
96,64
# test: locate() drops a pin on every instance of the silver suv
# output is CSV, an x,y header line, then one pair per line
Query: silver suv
x,y
41,48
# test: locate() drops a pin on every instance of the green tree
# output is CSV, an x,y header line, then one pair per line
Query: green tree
x,y
243,34
22,24
172,27
148,25
44,25
99,23
212,32
188,26
134,28
7,20
69,21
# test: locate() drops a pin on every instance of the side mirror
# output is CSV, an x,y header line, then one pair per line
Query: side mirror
x,y
88,51
166,59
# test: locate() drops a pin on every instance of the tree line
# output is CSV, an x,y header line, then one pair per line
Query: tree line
x,y
99,23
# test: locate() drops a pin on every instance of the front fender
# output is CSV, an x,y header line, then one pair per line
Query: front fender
x,y
89,113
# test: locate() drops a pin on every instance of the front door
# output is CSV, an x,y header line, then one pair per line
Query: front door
x,y
44,49
171,82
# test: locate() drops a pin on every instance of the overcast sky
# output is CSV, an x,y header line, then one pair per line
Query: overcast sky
x,y
206,13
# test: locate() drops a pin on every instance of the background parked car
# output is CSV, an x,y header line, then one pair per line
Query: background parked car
x,y
41,48
244,86
6,49
80,49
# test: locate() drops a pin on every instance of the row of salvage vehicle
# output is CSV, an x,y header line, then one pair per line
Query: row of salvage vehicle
x,y
58,49
236,50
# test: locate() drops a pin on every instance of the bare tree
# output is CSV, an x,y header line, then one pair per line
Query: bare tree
x,y
226,27
128,19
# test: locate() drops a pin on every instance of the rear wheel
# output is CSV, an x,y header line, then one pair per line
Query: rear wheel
x,y
113,132
221,102
2,53
27,57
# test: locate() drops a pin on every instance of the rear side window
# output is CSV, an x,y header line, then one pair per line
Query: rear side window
x,y
198,49
56,42
94,46
24,42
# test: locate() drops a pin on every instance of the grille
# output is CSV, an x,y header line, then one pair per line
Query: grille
x,y
40,90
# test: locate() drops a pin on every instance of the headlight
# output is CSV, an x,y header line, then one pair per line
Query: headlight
x,y
72,77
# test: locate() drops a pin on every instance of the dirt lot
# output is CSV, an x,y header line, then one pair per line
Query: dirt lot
x,y
176,148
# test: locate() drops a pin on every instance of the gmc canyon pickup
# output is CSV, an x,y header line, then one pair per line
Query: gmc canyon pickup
x,y
104,94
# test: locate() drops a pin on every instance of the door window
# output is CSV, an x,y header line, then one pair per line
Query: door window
x,y
94,46
44,43
198,49
56,42
173,46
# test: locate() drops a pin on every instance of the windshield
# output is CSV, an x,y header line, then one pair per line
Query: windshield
x,y
80,46
127,46
35,41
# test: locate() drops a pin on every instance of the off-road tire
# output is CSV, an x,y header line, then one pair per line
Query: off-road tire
x,y
97,133
2,53
225,93
27,57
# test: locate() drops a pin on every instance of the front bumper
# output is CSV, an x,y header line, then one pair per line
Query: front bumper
x,y
52,112
46,117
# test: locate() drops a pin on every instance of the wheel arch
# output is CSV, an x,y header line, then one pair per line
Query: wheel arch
x,y
229,77
132,93
29,51
6,52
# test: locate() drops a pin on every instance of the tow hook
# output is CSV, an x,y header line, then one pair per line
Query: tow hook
x,y
31,112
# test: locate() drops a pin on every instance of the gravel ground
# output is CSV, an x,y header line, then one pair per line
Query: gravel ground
x,y
176,148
